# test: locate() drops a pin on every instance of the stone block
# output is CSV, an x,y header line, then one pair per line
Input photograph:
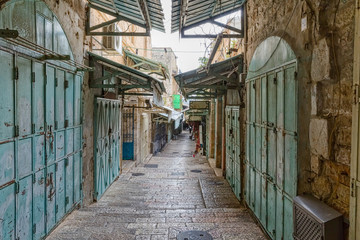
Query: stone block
x,y
315,164
318,133
321,187
314,108
321,64
343,155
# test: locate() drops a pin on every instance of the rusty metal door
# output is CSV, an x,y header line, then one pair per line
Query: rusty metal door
x,y
107,144
271,152
41,159
271,166
233,174
40,127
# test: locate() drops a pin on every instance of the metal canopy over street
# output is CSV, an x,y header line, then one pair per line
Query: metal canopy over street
x,y
187,14
147,14
110,74
205,83
147,65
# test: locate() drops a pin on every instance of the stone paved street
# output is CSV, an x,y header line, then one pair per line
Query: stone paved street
x,y
158,200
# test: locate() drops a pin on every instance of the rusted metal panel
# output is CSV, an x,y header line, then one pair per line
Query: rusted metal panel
x,y
39,203
7,212
7,121
199,105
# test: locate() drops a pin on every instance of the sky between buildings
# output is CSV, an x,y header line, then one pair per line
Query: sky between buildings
x,y
188,51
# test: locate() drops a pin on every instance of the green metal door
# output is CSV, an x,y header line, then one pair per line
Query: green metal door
x,y
107,140
233,149
40,127
271,154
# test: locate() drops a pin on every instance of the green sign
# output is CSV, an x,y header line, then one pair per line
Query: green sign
x,y
176,101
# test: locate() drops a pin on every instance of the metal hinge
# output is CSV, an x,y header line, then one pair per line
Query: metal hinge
x,y
16,73
56,167
353,187
66,200
295,74
34,229
33,128
33,178
56,82
81,187
66,162
66,123
56,208
45,79
17,187
56,124
275,80
66,84
17,131
33,77
355,94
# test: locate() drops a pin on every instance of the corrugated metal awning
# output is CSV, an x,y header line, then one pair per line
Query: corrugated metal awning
x,y
110,74
146,13
218,77
189,13
147,65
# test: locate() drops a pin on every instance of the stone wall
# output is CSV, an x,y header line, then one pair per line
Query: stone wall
x,y
321,35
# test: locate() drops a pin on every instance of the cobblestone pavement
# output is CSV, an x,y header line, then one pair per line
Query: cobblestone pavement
x,y
175,192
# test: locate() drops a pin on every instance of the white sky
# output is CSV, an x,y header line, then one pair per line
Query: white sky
x,y
187,50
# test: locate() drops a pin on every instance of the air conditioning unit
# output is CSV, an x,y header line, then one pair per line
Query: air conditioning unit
x,y
314,220
112,43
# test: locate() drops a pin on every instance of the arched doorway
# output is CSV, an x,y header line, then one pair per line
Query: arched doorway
x,y
271,153
40,123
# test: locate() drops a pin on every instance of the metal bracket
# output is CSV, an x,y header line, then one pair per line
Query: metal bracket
x,y
353,187
355,94
34,229
16,73
7,33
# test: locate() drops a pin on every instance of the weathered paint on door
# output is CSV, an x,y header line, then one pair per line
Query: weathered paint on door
x,y
271,154
128,133
233,174
355,138
107,144
40,127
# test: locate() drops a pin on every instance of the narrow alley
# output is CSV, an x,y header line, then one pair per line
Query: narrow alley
x,y
180,119
172,193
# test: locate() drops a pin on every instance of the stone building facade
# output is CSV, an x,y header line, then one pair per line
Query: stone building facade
x,y
168,57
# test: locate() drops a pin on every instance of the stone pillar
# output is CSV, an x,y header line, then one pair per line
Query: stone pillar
x,y
218,131
212,129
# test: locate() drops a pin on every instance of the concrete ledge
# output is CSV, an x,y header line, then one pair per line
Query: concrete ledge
x,y
218,171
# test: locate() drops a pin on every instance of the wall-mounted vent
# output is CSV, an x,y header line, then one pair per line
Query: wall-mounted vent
x,y
314,220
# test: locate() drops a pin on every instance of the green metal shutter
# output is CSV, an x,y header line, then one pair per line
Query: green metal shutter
x,y
40,173
233,167
107,144
271,170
